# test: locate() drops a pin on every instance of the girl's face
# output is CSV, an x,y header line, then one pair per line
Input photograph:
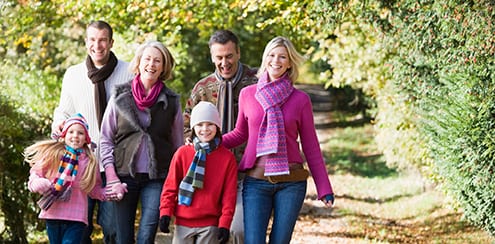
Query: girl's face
x,y
151,65
75,136
205,131
277,62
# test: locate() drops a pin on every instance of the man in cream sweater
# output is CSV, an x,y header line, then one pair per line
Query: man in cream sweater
x,y
86,88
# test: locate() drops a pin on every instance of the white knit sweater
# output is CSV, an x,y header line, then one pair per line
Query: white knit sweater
x,y
77,95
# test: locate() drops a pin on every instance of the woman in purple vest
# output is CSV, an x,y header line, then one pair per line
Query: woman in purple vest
x,y
141,129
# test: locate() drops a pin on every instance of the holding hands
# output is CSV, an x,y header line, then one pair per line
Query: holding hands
x,y
115,190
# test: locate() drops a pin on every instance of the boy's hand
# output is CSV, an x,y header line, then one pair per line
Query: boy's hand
x,y
164,223
223,235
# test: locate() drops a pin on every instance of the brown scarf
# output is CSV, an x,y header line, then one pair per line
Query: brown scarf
x,y
225,98
98,77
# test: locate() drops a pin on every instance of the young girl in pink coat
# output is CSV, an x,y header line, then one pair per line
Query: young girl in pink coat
x,y
64,171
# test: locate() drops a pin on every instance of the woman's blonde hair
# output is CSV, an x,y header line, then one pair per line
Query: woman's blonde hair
x,y
295,58
45,156
168,59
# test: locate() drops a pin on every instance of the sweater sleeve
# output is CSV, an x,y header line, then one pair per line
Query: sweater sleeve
x,y
178,128
168,198
108,131
312,152
98,191
229,195
35,173
239,135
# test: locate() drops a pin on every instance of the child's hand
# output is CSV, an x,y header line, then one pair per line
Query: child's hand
x,y
164,223
39,185
223,235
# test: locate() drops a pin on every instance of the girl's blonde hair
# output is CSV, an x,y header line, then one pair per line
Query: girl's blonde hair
x,y
46,155
295,58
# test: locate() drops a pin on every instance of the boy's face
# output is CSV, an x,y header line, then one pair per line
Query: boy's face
x,y
75,136
205,131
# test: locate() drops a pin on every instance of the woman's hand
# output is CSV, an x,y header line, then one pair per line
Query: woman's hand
x,y
329,200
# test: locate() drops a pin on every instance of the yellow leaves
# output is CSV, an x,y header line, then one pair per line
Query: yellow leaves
x,y
25,41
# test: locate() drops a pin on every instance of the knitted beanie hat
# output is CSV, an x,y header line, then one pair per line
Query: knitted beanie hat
x,y
76,119
205,112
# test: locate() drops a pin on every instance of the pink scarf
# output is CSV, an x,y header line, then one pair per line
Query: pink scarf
x,y
139,93
271,138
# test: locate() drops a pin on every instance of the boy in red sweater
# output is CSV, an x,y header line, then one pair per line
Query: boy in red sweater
x,y
201,186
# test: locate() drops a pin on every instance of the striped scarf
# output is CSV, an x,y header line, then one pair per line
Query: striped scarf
x,y
271,138
196,172
61,189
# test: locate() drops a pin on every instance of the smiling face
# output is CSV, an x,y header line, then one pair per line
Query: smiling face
x,y
277,62
150,65
205,131
226,58
75,136
98,45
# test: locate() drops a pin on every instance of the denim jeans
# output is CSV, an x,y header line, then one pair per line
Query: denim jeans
x,y
64,231
260,199
147,192
104,217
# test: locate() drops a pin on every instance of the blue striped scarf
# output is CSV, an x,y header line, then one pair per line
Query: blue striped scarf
x,y
196,172
271,138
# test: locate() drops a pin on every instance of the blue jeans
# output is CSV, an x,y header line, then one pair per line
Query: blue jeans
x,y
148,191
260,198
104,217
64,231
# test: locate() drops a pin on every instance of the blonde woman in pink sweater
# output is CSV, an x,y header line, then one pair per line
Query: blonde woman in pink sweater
x,y
272,116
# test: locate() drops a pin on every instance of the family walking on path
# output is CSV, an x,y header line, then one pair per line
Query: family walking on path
x,y
218,172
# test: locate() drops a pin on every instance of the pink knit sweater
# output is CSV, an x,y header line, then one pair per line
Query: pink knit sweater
x,y
298,121
76,208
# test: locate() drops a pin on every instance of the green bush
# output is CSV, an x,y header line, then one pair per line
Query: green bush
x,y
16,129
443,69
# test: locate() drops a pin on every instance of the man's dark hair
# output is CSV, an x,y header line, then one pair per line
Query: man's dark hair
x,y
100,25
222,37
